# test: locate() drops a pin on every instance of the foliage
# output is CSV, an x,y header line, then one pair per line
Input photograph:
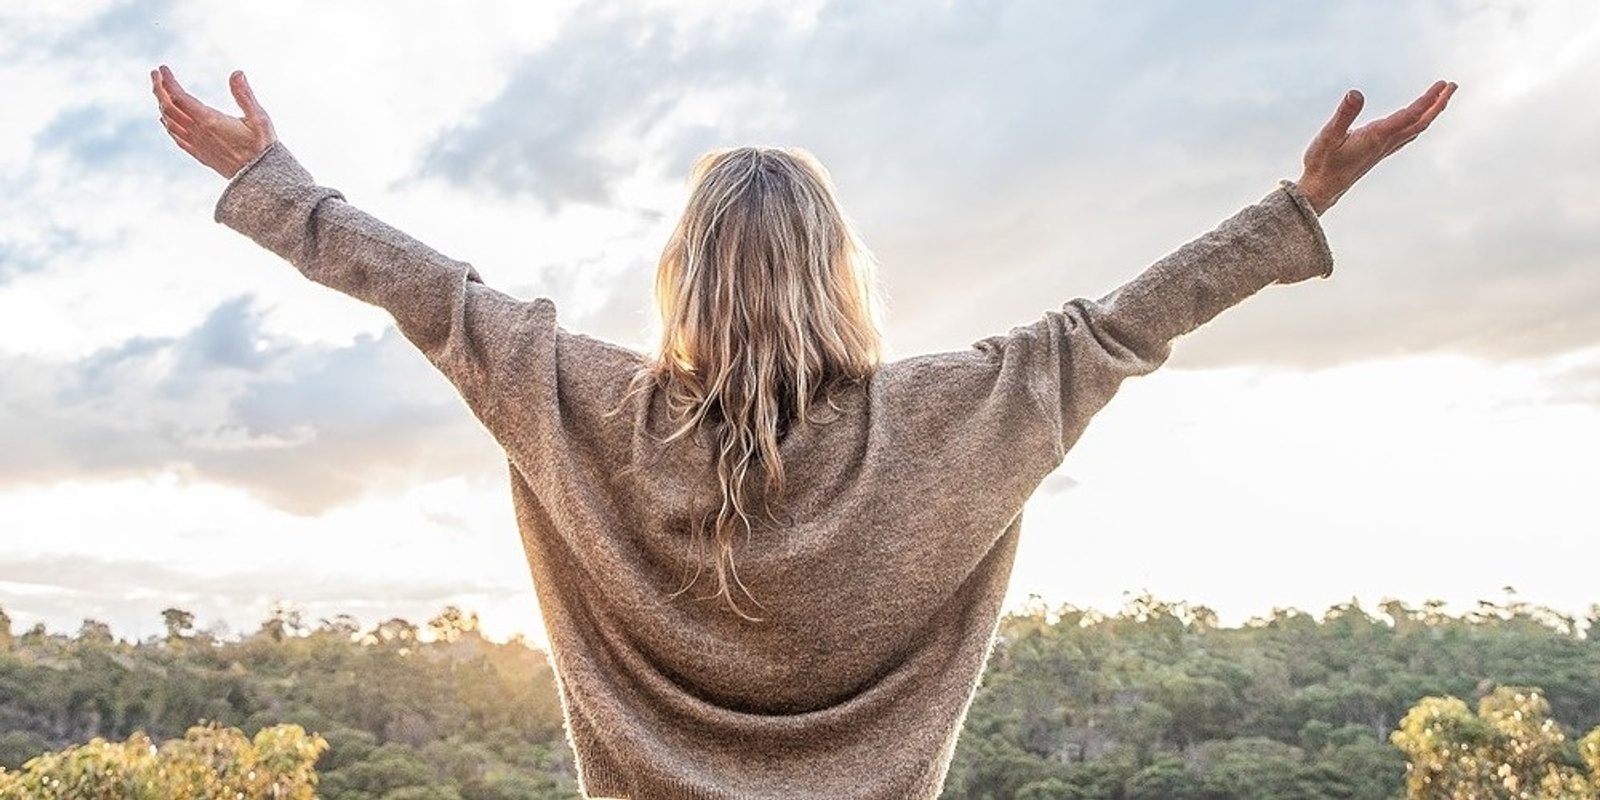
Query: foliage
x,y
208,762
401,714
1157,701
1511,749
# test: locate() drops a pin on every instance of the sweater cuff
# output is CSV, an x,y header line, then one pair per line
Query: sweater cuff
x,y
1323,253
276,158
271,200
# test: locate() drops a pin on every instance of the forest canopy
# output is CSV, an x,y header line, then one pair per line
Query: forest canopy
x,y
1155,701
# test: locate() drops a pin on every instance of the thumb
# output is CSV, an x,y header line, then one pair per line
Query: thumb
x,y
1345,115
240,86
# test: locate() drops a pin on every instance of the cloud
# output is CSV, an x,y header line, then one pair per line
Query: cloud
x,y
966,97
30,250
140,28
97,139
137,28
1577,381
302,427
82,156
1054,149
568,124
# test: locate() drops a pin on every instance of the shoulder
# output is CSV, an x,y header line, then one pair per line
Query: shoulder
x,y
981,363
583,350
595,367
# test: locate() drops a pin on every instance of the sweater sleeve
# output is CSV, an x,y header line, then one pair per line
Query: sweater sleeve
x,y
441,305
1081,353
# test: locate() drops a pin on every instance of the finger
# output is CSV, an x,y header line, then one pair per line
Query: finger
x,y
167,100
1433,111
1408,116
1438,97
1432,95
181,99
175,128
171,111
1339,125
246,98
164,99
184,143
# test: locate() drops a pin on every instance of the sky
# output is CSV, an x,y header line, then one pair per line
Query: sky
x,y
186,422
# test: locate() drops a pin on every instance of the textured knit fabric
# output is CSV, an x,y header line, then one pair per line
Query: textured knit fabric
x,y
880,588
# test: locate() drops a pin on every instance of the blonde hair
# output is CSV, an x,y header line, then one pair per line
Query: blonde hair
x,y
768,307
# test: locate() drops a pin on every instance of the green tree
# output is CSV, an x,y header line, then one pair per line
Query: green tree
x,y
208,762
1510,749
385,770
19,747
1251,768
179,624
1166,778
452,623
95,632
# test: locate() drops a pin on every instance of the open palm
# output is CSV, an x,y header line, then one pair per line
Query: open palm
x,y
222,142
1339,156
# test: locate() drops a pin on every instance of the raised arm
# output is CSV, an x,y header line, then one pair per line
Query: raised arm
x,y
469,331
1093,345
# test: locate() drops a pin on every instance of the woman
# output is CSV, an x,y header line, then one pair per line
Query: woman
x,y
770,565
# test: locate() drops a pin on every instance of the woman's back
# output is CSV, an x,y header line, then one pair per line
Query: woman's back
x,y
879,584
872,568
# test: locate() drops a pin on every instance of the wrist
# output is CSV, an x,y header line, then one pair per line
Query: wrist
x,y
1317,193
1314,192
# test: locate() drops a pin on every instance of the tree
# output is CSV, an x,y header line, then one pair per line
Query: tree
x,y
95,632
19,747
208,762
451,624
1510,749
383,771
1167,778
282,621
180,624
340,625
396,631
1250,768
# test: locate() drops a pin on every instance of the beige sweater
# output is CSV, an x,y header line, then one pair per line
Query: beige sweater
x,y
880,595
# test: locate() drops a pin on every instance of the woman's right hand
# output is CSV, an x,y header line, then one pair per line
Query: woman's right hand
x,y
1339,156
222,142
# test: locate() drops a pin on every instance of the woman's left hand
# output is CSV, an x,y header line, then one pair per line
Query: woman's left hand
x,y
222,142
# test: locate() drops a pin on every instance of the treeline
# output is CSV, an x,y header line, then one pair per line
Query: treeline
x,y
1160,703
407,712
1156,701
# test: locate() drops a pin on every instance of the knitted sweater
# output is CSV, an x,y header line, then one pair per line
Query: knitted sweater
x,y
880,590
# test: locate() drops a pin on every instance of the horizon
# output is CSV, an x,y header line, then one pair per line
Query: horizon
x,y
1483,611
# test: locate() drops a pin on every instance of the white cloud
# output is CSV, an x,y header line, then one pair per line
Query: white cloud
x,y
1059,148
305,427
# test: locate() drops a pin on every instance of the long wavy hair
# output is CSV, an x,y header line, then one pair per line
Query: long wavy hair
x,y
768,307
